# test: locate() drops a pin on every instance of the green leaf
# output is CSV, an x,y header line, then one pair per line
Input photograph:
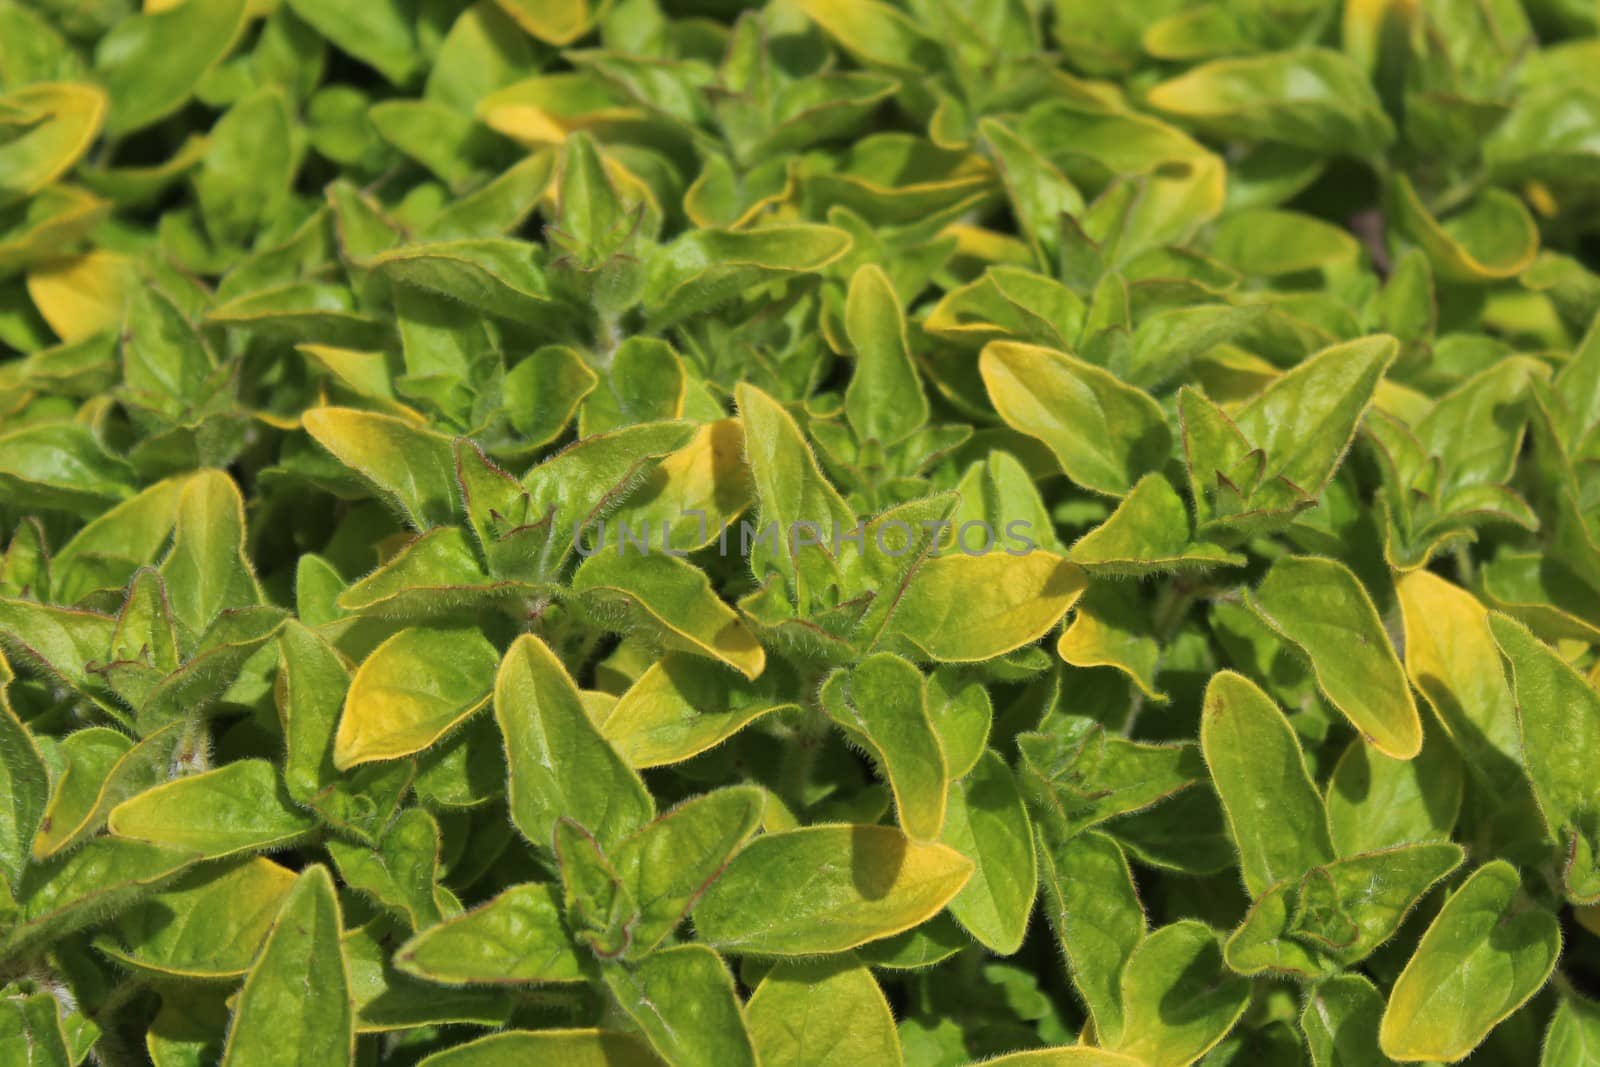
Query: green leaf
x,y
188,1030
214,672
438,574
1493,237
1477,428
1000,491
1570,1040
1078,774
1282,242
644,382
695,493
1336,915
1376,801
684,1001
600,910
275,1022
410,692
302,311
1065,1056
494,275
1166,343
58,216
379,34
519,937
61,466
884,400
1311,98
1178,964
1483,956
1008,303
88,757
1149,533
1305,420
674,597
578,487
30,1026
1274,811
559,763
448,352
543,392
83,886
682,706
236,808
63,641
874,33
401,873
579,1048
481,53
412,468
703,269
560,22
210,925
145,647
827,889
811,1015
1106,435
919,948
962,716
1002,601
1559,713
66,119
24,786
150,64
1340,1021
988,823
882,704
1320,607
208,571
244,180
1098,921
1040,193
667,864
791,491
387,1000
313,680
1577,413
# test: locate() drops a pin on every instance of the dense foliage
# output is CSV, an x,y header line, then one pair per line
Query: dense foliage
x,y
832,532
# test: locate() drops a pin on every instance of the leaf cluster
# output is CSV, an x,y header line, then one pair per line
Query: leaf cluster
x,y
892,532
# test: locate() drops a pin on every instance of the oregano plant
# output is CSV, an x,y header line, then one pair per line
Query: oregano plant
x,y
901,533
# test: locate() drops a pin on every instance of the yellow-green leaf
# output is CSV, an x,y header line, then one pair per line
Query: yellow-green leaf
x,y
683,705
882,703
1481,958
519,937
1452,659
236,808
827,889
295,1008
672,595
559,763
1105,433
412,690
1274,811
570,1048
1320,606
960,608
67,118
817,1014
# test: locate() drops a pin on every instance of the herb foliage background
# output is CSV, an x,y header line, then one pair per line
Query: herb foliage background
x,y
1270,324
